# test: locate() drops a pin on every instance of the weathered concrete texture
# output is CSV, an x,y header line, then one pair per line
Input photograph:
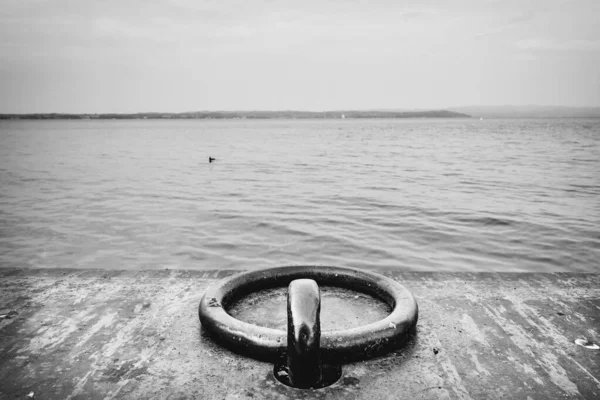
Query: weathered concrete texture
x,y
127,334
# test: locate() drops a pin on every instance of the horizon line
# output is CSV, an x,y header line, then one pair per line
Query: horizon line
x,y
306,111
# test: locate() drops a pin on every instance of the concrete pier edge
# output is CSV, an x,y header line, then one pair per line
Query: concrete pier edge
x,y
102,334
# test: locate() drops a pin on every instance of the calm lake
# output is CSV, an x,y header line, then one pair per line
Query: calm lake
x,y
444,195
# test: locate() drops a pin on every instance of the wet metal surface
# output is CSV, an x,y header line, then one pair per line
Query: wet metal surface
x,y
73,334
337,345
304,334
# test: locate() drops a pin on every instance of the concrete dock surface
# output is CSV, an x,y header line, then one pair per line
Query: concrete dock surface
x,y
97,334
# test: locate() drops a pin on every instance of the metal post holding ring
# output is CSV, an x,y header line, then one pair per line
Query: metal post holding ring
x,y
304,333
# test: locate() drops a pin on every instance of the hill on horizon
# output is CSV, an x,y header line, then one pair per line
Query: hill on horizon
x,y
530,111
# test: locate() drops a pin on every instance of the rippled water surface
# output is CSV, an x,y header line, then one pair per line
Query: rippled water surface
x,y
454,195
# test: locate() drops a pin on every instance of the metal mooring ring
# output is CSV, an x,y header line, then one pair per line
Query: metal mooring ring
x,y
342,345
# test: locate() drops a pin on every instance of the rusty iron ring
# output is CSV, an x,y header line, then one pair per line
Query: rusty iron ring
x,y
343,345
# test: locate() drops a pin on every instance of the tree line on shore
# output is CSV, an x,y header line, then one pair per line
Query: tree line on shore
x,y
247,115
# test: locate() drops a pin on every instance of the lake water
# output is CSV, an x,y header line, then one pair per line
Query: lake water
x,y
447,195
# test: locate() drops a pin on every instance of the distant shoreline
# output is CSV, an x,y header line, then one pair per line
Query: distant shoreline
x,y
245,115
517,112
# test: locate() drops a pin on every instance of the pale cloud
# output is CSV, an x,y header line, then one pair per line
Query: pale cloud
x,y
501,26
558,45
312,54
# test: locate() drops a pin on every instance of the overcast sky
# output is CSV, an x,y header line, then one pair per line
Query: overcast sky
x,y
187,55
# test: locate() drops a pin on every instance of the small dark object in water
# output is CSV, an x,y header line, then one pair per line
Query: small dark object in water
x,y
211,159
436,350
